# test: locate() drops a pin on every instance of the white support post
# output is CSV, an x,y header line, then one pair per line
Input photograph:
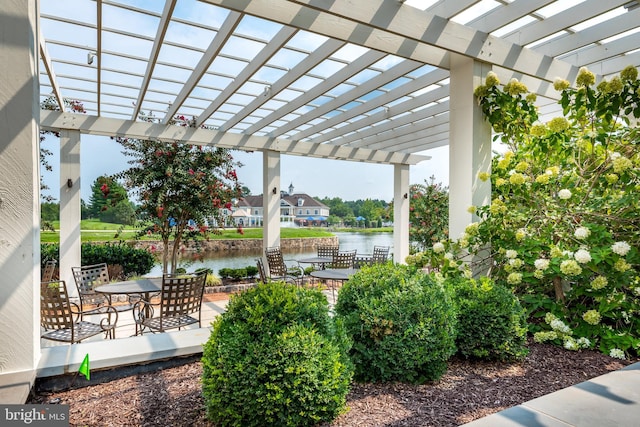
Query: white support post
x,y
271,201
469,144
400,213
19,200
70,243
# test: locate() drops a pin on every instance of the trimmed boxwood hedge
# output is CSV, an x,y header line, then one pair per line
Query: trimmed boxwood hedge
x,y
133,261
276,357
491,322
402,323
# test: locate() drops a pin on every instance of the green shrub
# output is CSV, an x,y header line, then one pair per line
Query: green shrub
x,y
225,273
252,271
238,273
402,323
134,262
491,321
276,357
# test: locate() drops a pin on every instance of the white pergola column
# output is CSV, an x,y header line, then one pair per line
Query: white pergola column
x,y
70,243
19,200
469,144
400,213
271,201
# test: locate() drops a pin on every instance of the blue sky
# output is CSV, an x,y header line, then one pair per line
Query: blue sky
x,y
317,177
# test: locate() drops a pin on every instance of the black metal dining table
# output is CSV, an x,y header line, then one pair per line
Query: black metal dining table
x,y
143,286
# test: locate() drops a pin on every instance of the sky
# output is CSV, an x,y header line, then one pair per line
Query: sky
x,y
350,181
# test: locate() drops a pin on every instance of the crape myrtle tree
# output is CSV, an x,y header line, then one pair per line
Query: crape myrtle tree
x,y
428,213
182,189
110,202
564,220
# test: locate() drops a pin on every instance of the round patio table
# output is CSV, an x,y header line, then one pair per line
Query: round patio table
x,y
316,260
144,286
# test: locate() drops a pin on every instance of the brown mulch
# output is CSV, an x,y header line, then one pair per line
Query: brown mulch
x,y
469,390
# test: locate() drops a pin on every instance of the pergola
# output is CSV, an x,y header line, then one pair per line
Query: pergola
x,y
380,81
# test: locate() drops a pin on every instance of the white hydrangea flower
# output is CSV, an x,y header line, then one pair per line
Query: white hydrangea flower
x,y
511,254
571,344
621,248
617,353
438,247
559,326
448,256
582,233
582,256
541,264
564,194
584,342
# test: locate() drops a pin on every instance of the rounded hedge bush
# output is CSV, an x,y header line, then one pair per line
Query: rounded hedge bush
x,y
491,321
402,323
276,357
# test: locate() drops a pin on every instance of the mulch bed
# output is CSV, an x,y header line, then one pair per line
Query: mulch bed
x,y
469,390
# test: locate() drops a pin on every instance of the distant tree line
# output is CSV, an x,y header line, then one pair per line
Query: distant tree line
x,y
359,213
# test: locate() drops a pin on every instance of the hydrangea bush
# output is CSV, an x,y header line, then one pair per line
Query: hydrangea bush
x,y
564,217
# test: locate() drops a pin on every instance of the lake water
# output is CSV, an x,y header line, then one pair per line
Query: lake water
x,y
362,242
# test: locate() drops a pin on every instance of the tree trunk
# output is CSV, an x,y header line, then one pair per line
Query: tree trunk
x,y
557,285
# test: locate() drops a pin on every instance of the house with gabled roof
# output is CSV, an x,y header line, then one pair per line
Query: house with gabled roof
x,y
295,208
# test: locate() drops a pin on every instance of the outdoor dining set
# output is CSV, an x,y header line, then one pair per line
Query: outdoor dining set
x,y
157,304
172,301
330,265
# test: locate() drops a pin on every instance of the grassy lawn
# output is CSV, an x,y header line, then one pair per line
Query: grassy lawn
x,y
96,231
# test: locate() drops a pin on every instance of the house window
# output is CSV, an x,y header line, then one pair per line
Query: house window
x,y
255,212
299,211
316,212
308,211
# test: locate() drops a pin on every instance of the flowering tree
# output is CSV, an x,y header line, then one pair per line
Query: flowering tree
x,y
182,189
564,217
429,213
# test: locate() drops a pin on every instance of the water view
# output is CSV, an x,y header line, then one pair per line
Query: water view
x,y
362,242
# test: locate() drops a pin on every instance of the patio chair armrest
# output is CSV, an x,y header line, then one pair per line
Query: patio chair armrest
x,y
109,322
142,310
75,311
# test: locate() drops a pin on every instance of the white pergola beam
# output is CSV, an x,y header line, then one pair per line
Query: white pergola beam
x,y
315,58
46,60
448,9
331,82
418,28
261,58
165,19
561,21
599,53
218,42
399,137
506,14
594,34
376,133
391,74
302,17
394,110
92,125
